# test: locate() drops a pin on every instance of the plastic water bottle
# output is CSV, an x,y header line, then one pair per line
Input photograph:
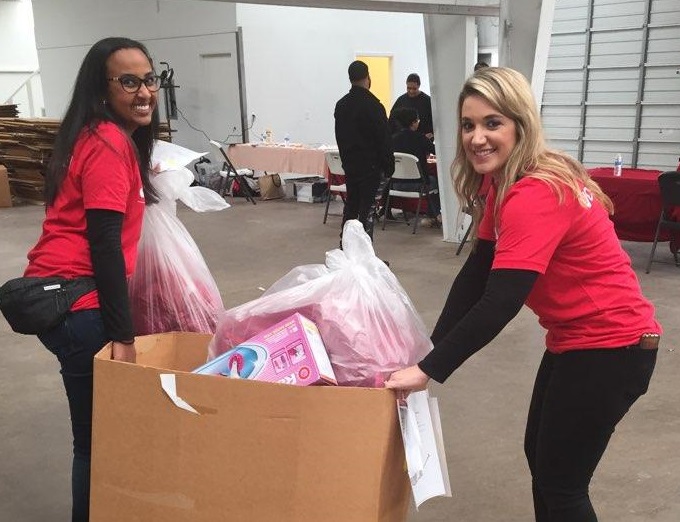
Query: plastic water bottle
x,y
286,141
618,165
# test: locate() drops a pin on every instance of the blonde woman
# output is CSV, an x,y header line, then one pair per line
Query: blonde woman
x,y
545,240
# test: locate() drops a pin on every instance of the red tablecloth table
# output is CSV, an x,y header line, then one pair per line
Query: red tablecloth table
x,y
637,203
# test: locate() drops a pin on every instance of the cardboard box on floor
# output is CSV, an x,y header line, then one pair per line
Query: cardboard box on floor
x,y
255,451
5,195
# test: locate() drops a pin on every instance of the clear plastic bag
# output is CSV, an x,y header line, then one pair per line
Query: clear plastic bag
x,y
366,320
173,185
172,288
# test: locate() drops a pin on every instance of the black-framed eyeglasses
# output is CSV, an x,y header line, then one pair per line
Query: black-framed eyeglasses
x,y
131,83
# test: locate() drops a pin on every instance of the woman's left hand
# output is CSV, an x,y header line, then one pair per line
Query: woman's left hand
x,y
123,352
408,379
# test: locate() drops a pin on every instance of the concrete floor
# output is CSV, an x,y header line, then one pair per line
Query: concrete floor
x,y
483,405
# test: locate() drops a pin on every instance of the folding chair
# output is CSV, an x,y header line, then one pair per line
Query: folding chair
x,y
230,173
480,199
468,211
669,186
336,181
406,168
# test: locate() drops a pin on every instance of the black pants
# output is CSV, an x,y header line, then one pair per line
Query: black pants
x,y
362,188
578,399
75,342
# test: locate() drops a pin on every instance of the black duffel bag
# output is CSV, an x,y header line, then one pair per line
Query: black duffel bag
x,y
34,305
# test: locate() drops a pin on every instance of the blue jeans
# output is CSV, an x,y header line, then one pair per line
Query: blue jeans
x,y
75,342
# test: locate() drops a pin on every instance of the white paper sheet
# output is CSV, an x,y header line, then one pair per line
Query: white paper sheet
x,y
424,446
169,156
169,385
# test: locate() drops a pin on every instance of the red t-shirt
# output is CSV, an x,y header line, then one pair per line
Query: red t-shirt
x,y
103,174
587,294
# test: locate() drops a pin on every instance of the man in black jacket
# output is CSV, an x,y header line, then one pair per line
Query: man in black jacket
x,y
365,146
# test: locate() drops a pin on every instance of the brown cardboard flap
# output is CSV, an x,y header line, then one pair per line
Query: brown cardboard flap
x,y
255,452
5,195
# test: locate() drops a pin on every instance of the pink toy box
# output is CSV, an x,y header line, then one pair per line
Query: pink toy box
x,y
290,352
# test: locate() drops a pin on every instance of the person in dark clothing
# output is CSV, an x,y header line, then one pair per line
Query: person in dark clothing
x,y
410,141
365,146
416,99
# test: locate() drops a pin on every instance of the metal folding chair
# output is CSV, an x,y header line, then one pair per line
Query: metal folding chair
x,y
669,186
480,199
230,173
406,168
336,181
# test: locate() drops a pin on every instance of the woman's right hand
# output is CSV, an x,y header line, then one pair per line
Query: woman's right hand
x,y
409,379
123,352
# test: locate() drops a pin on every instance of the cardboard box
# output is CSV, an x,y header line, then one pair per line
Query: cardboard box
x,y
311,192
289,352
288,189
255,452
5,195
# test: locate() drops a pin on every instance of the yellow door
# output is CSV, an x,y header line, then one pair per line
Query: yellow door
x,y
380,71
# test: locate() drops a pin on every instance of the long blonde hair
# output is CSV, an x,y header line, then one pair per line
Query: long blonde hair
x,y
509,93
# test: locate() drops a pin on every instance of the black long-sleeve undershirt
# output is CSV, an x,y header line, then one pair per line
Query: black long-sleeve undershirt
x,y
481,302
108,263
467,289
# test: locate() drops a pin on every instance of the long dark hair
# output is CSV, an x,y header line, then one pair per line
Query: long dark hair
x,y
86,110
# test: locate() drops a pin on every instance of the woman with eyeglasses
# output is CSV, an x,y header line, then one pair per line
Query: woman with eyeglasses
x,y
96,189
544,239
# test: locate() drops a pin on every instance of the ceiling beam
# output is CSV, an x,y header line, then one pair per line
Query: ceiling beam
x,y
443,7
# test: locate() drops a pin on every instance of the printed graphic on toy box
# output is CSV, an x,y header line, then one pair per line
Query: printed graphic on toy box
x,y
290,352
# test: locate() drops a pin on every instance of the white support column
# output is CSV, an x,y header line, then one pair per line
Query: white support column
x,y
450,42
545,24
525,27
29,94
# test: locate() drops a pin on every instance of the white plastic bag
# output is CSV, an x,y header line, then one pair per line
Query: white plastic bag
x,y
367,322
172,288
173,185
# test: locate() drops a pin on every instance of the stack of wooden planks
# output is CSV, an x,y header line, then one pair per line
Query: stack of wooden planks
x,y
25,149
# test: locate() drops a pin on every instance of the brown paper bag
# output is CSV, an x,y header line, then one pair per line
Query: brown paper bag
x,y
270,187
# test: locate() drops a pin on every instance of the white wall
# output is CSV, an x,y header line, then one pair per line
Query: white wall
x,y
299,102
18,55
295,58
488,35
17,45
65,29
296,63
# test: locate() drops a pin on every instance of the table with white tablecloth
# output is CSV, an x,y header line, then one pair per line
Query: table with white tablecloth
x,y
280,159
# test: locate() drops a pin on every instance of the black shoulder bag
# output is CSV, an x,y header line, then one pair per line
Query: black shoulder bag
x,y
34,305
